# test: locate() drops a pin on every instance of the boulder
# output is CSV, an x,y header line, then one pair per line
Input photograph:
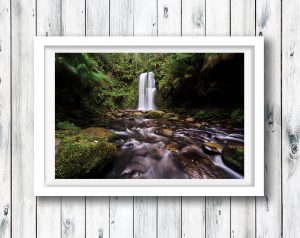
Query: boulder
x,y
212,147
234,158
167,132
189,119
99,133
154,114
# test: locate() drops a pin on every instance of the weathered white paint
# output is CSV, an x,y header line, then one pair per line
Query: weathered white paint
x,y
128,17
5,120
268,208
23,202
290,118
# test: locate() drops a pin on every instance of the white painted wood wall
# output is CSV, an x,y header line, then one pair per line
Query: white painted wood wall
x,y
275,215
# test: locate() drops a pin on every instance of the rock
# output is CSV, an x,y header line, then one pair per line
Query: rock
x,y
234,158
167,132
173,119
137,114
99,133
154,114
172,147
119,114
189,119
212,147
169,115
79,156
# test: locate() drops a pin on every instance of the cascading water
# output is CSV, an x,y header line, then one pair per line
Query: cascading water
x,y
147,91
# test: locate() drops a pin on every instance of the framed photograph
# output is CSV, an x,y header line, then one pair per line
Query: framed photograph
x,y
149,116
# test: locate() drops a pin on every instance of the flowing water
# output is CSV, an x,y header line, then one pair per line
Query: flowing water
x,y
147,90
158,148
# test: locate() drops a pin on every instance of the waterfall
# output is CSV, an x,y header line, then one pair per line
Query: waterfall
x,y
147,91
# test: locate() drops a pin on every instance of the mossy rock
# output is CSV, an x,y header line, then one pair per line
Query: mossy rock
x,y
168,115
154,114
79,156
234,158
99,133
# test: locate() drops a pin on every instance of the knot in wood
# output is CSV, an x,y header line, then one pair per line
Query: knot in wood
x,y
5,210
270,120
68,222
294,148
166,10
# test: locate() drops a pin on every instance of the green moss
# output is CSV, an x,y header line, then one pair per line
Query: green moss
x,y
80,156
234,158
154,114
237,116
65,125
168,115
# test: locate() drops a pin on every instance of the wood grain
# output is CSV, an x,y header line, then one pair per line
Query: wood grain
x,y
268,208
5,121
97,18
193,17
48,208
169,17
121,217
290,118
121,17
242,208
23,201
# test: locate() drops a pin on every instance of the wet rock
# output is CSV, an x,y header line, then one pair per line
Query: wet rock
x,y
212,147
119,114
173,147
137,114
154,114
189,119
167,132
99,133
234,158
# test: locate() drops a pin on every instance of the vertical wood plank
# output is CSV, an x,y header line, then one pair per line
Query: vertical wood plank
x,y
218,208
145,208
290,117
97,18
193,217
268,208
193,17
169,17
121,17
145,17
97,217
193,208
73,217
169,208
73,208
23,200
73,17
218,17
97,208
121,217
121,208
145,217
5,120
169,217
48,208
242,208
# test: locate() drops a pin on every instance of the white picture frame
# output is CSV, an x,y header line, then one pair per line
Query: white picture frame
x,y
45,183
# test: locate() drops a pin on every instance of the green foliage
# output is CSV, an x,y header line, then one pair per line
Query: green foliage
x,y
238,116
234,158
65,125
